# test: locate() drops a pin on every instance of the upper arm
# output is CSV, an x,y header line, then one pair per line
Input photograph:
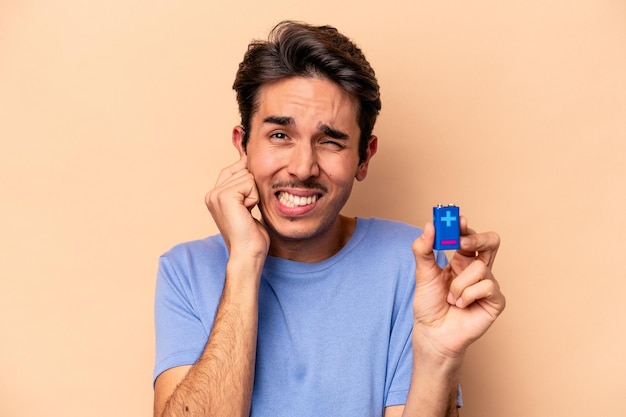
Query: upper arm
x,y
394,411
165,385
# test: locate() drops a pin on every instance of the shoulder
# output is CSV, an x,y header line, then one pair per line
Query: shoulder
x,y
207,248
194,257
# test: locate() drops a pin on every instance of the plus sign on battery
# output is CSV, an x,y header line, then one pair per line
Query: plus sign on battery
x,y
448,219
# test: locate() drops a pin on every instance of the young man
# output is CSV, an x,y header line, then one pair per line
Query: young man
x,y
306,312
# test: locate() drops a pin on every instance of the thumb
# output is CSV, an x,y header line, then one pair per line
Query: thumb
x,y
426,267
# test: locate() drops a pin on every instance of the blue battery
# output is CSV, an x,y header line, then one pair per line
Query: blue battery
x,y
447,227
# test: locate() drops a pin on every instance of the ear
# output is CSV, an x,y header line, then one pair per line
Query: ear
x,y
372,146
238,134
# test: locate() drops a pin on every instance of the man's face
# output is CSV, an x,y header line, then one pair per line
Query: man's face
x,y
303,152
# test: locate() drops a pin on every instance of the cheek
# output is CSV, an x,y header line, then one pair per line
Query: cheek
x,y
263,164
339,169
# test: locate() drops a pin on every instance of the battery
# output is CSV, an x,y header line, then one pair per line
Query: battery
x,y
447,227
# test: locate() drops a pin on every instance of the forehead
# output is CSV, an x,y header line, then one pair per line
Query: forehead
x,y
307,100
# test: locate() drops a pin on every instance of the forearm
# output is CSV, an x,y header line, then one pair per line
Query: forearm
x,y
220,382
433,391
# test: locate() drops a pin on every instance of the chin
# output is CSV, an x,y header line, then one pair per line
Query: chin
x,y
296,229
290,230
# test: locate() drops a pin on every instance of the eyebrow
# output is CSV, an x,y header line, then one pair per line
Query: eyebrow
x,y
333,133
288,121
279,120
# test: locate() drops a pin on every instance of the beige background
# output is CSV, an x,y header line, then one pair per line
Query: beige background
x,y
115,118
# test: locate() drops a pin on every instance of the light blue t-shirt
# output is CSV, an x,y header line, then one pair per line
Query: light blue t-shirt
x,y
334,336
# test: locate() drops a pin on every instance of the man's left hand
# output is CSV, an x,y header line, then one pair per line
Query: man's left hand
x,y
454,306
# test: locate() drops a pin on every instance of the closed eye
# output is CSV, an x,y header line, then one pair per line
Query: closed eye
x,y
333,143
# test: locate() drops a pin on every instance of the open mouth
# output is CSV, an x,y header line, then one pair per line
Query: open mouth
x,y
290,200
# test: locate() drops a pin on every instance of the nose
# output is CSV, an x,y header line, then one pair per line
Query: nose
x,y
303,163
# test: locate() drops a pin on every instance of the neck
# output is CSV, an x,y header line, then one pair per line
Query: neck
x,y
317,249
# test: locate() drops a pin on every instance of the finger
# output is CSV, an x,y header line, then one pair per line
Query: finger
x,y
425,262
486,290
233,169
240,188
474,273
237,189
463,225
465,231
251,193
484,246
235,178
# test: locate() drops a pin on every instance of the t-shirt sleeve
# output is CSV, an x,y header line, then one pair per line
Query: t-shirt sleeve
x,y
400,358
180,334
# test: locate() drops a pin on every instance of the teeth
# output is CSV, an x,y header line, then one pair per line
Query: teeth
x,y
291,200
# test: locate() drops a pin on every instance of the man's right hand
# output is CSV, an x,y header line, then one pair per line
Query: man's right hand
x,y
230,203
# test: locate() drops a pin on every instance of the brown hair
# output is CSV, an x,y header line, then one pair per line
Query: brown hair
x,y
299,49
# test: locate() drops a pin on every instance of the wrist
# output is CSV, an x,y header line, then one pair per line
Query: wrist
x,y
434,383
243,274
431,359
444,370
242,261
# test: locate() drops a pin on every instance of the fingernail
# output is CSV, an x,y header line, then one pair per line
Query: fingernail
x,y
450,298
